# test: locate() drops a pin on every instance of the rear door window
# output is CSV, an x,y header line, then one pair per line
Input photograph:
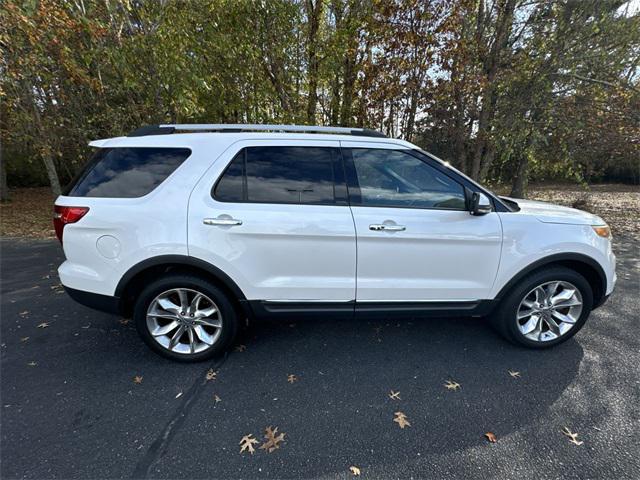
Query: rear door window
x,y
126,172
298,175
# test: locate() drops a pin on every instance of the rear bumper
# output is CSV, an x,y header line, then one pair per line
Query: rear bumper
x,y
104,303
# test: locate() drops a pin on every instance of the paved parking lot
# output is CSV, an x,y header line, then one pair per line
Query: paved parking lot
x,y
70,407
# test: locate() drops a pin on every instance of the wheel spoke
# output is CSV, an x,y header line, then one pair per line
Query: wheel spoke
x,y
562,317
207,312
209,322
184,302
192,340
563,296
167,305
551,290
530,325
167,315
165,329
553,326
195,303
526,313
203,335
176,337
540,294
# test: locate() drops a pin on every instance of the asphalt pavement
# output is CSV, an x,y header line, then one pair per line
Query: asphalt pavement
x,y
70,407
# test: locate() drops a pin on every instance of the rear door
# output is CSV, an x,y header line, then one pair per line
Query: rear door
x,y
416,240
274,216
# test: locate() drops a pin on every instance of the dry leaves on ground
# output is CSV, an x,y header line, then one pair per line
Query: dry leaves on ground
x,y
272,438
247,442
216,398
451,385
32,363
514,374
401,420
43,325
211,374
491,437
394,395
137,379
573,437
355,471
291,378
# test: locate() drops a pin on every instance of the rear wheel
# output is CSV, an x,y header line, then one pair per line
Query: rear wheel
x,y
546,308
185,318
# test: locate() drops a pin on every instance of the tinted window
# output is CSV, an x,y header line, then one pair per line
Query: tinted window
x,y
279,175
392,178
230,187
127,172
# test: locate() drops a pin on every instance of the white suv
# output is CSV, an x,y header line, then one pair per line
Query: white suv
x,y
191,229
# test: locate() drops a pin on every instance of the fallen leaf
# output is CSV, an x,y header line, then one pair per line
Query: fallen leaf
x,y
394,395
217,398
179,395
291,378
211,374
273,440
514,374
137,379
355,471
451,385
32,363
124,321
24,314
401,420
24,339
491,437
240,348
573,436
247,442
43,325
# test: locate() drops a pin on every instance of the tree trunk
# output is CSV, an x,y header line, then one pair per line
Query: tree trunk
x,y
348,86
52,174
520,179
4,188
314,12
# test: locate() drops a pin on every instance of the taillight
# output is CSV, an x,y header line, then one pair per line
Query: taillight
x,y
63,215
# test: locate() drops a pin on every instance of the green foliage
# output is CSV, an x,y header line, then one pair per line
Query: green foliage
x,y
505,90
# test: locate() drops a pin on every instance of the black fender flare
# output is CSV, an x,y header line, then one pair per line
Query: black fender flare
x,y
182,260
558,258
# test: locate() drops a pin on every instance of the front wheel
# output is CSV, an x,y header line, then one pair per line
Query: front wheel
x,y
546,308
185,318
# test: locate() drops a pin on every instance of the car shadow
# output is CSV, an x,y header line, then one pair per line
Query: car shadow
x,y
346,369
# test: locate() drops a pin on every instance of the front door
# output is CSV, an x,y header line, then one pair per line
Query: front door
x,y
416,241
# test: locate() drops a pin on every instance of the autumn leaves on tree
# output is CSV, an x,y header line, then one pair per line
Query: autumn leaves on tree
x,y
504,90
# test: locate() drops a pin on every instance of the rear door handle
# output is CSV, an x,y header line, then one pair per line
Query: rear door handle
x,y
389,228
222,221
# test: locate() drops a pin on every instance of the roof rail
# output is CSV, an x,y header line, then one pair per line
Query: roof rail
x,y
244,127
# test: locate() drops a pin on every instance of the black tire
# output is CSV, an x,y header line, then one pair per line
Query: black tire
x,y
504,318
229,316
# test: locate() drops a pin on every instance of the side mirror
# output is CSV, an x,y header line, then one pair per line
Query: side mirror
x,y
479,204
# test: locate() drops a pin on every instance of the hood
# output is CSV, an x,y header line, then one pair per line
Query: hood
x,y
551,213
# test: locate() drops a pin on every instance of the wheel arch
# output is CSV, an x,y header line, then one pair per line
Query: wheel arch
x,y
133,280
586,266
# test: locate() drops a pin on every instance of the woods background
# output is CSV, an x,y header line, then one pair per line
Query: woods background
x,y
506,90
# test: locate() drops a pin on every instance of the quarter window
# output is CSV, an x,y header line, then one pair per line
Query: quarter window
x,y
126,172
298,175
393,178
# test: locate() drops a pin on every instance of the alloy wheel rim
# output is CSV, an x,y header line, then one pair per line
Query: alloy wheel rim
x,y
184,321
549,311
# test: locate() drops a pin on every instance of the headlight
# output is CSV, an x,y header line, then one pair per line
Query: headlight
x,y
602,230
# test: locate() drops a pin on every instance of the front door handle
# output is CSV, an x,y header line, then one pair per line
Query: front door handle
x,y
222,221
389,228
